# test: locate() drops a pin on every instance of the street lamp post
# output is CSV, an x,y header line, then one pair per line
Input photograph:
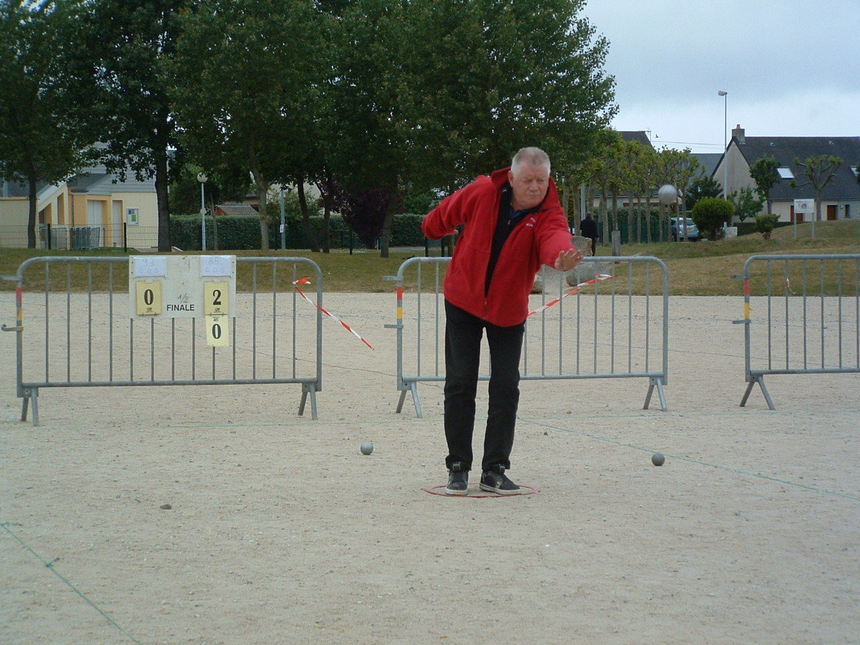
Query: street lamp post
x,y
725,96
201,177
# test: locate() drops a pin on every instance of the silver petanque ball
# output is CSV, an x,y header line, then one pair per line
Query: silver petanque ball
x,y
367,448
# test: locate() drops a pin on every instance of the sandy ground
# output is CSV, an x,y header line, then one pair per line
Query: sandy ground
x,y
280,531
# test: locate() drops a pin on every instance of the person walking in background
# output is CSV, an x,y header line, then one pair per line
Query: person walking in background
x,y
513,223
588,228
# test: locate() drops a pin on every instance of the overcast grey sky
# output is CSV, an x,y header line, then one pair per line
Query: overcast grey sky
x,y
790,67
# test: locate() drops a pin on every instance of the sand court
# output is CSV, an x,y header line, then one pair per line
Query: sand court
x,y
195,514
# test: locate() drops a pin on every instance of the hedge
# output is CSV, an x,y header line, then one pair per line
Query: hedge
x,y
243,233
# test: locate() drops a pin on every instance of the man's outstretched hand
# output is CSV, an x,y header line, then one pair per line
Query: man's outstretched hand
x,y
567,260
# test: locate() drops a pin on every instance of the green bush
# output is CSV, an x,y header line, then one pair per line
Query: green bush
x,y
765,224
406,230
243,233
710,213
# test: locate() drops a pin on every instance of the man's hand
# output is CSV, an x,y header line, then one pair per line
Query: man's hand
x,y
567,260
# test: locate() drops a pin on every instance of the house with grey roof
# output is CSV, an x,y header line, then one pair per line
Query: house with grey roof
x,y
708,161
639,136
841,197
94,207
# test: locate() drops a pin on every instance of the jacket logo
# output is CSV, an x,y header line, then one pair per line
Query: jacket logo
x,y
532,221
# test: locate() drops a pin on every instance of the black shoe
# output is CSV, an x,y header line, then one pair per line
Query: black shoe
x,y
495,481
458,480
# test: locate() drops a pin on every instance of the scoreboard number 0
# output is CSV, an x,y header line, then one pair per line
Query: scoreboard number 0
x,y
148,297
217,331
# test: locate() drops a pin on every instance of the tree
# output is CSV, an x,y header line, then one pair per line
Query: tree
x,y
709,213
365,149
677,168
818,171
40,140
485,78
243,86
701,187
642,164
117,51
745,202
764,172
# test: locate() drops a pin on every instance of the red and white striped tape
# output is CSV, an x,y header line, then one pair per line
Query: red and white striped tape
x,y
327,312
598,277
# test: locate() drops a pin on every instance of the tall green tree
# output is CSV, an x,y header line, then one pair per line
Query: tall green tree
x,y
818,171
243,82
700,187
764,173
116,53
745,203
677,168
364,143
642,182
40,139
487,77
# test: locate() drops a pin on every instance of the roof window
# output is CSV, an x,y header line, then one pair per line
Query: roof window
x,y
785,173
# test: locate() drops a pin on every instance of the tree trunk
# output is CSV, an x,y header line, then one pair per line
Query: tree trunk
x,y
615,209
161,183
603,212
326,241
306,218
630,209
648,219
31,217
262,197
386,233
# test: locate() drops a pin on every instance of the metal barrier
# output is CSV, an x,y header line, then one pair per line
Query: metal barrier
x,y
81,333
812,317
610,330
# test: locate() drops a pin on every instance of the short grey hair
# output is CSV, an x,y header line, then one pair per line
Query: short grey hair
x,y
531,156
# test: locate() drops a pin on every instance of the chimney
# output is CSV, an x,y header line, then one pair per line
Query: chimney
x,y
739,133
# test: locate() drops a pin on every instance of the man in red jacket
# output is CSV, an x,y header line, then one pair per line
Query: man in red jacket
x,y
513,223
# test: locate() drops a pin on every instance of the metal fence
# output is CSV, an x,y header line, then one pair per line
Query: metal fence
x,y
79,331
617,328
807,316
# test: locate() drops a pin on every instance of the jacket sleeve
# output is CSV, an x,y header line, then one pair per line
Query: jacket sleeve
x,y
553,237
454,210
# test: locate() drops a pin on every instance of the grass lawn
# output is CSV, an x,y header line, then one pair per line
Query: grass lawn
x,y
695,268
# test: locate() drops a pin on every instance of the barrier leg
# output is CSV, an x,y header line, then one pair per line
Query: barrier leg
x,y
309,388
31,395
747,393
416,400
760,380
658,383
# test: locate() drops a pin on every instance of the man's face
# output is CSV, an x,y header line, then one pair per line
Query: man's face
x,y
530,184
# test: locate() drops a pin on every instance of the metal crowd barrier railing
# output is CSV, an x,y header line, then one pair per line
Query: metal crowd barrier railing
x,y
616,328
79,331
807,316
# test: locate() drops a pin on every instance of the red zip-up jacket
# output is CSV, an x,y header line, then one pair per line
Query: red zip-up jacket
x,y
537,240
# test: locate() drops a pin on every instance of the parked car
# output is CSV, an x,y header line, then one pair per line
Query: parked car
x,y
678,229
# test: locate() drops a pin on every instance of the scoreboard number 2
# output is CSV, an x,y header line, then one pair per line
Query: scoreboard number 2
x,y
216,298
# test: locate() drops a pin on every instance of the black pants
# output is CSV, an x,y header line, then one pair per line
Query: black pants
x,y
463,333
